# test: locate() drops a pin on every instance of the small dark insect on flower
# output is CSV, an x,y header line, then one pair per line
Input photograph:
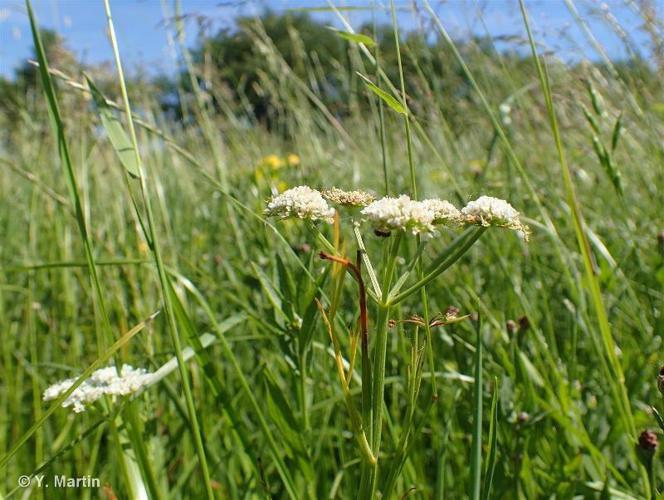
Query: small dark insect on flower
x,y
524,323
660,380
382,233
660,241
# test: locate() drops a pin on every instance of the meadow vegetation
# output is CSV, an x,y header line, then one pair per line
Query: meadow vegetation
x,y
134,231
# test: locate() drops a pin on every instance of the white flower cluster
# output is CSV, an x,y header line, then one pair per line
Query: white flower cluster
x,y
488,211
405,214
104,381
400,213
301,202
348,198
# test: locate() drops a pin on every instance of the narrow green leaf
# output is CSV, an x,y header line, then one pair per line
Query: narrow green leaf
x,y
115,131
388,99
658,417
356,37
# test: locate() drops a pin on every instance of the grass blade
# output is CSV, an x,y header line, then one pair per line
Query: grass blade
x,y
476,447
493,442
613,372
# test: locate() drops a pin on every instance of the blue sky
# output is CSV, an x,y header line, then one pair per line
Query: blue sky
x,y
144,44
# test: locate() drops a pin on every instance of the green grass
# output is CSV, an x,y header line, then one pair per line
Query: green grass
x,y
97,235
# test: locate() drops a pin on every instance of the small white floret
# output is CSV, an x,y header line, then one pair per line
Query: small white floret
x,y
301,202
400,213
348,198
488,211
443,211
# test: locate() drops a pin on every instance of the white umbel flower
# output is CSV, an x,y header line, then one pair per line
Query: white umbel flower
x,y
488,211
400,213
301,202
443,211
104,381
348,198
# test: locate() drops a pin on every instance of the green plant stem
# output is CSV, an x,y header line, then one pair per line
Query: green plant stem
x,y
320,238
651,478
302,388
404,102
379,361
161,271
105,336
476,447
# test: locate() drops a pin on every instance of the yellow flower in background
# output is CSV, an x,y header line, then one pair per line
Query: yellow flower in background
x,y
273,162
293,160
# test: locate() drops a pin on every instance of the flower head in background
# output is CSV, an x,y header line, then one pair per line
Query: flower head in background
x,y
103,382
400,213
273,162
348,198
293,160
301,202
487,211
